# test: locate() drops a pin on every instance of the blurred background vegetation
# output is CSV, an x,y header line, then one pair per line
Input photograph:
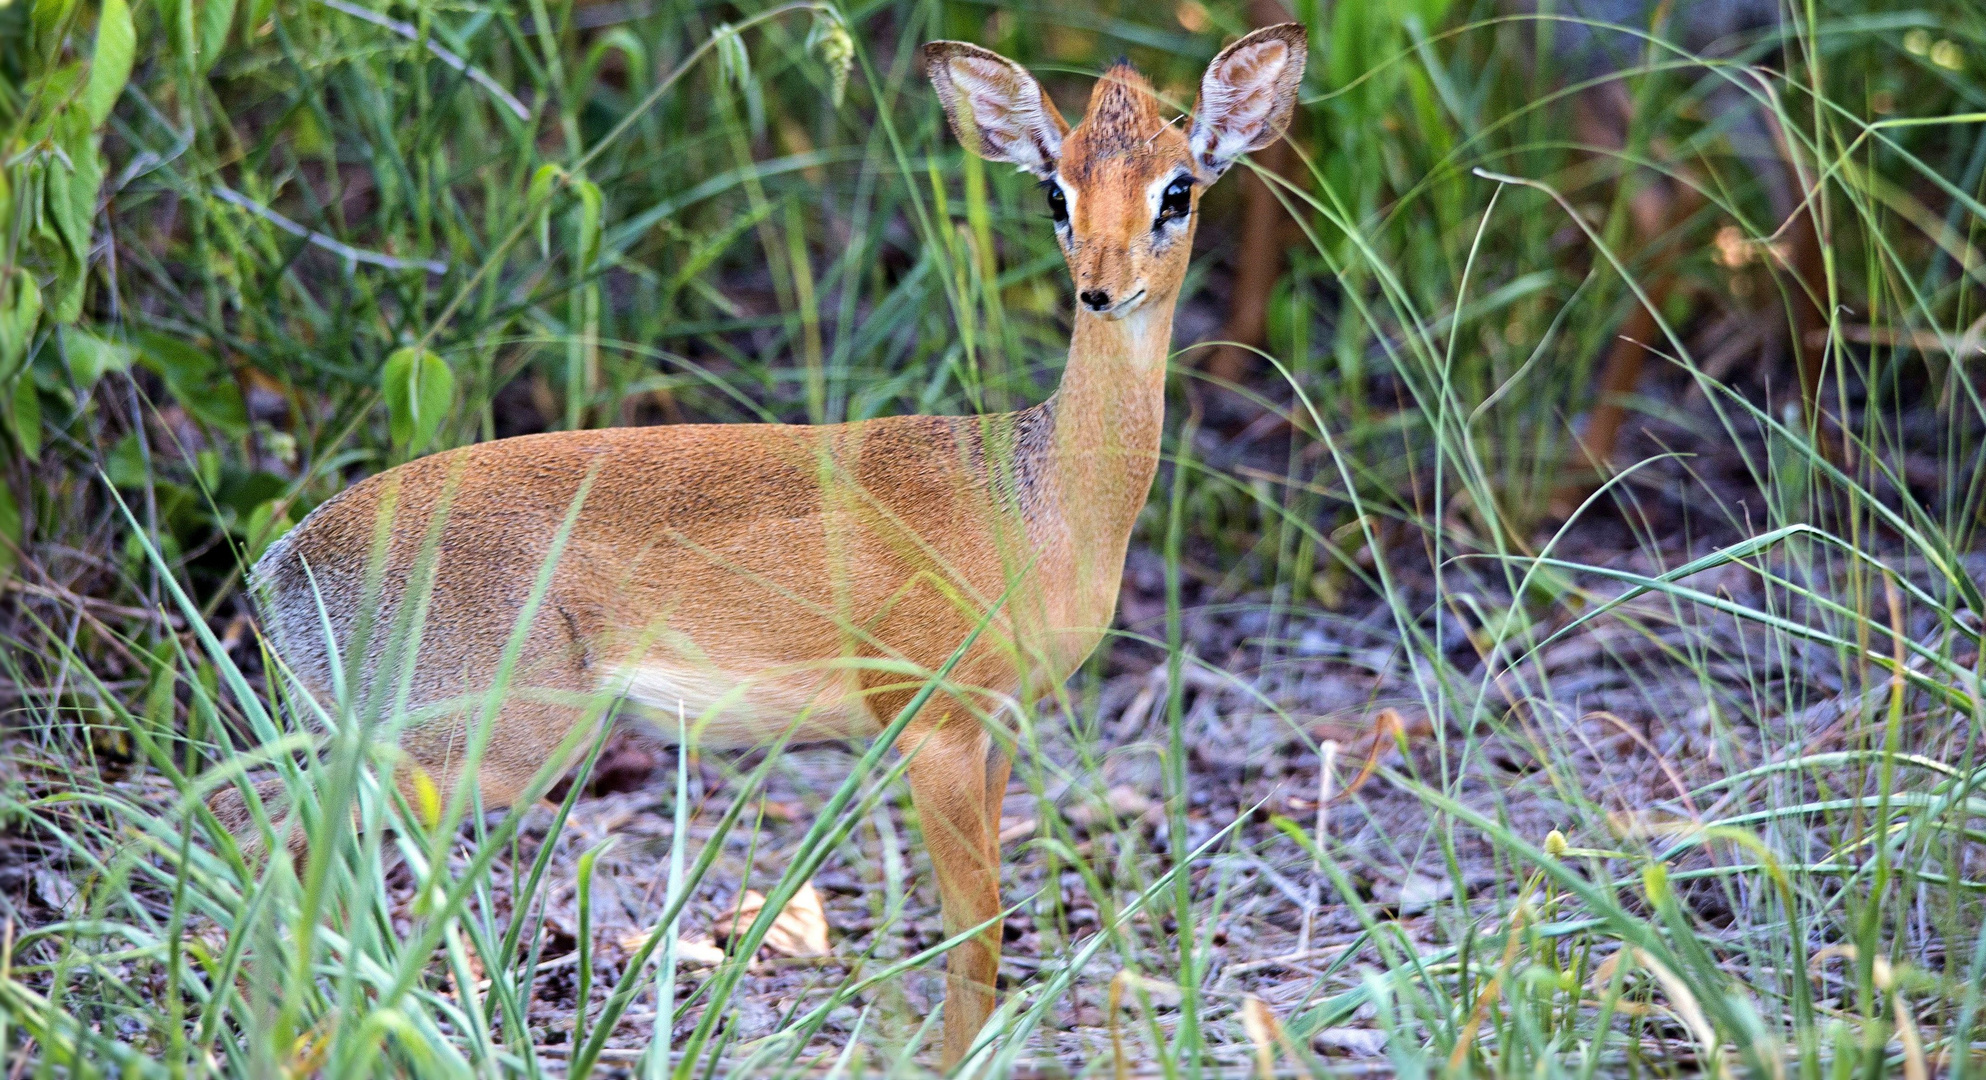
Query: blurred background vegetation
x,y
253,250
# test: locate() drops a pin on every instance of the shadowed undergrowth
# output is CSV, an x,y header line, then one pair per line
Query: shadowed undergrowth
x,y
1422,744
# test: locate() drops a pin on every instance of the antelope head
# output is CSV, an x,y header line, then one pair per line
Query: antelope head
x,y
1123,186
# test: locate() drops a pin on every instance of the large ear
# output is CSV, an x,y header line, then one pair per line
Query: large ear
x,y
996,108
1247,96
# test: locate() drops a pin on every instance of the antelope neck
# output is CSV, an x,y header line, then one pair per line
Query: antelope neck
x,y
1108,416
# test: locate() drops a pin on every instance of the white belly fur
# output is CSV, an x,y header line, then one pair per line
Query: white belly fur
x,y
724,710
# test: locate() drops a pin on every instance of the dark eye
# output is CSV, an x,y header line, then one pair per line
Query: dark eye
x,y
1177,201
1058,204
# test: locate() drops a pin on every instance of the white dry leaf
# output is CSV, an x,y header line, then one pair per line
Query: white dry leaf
x,y
1349,1042
1012,829
799,930
690,952
1130,802
738,914
1418,893
1127,803
1127,986
55,890
698,952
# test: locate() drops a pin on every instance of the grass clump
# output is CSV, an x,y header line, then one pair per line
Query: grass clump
x,y
1423,738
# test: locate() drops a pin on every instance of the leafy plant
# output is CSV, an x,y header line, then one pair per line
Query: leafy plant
x,y
1409,744
51,116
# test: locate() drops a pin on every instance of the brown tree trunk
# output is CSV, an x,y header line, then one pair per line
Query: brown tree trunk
x,y
1808,263
1258,261
1663,205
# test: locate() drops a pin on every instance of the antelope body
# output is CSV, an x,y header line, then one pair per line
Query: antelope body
x,y
767,578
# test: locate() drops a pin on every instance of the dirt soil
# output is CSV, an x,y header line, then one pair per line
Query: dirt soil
x,y
1607,723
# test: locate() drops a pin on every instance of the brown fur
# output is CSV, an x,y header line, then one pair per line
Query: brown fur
x,y
767,575
1121,149
1121,121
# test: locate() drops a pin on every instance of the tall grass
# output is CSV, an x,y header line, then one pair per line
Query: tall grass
x,y
1680,773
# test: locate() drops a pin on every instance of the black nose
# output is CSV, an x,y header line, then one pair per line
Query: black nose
x,y
1097,299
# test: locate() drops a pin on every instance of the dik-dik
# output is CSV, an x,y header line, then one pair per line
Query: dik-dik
x,y
773,579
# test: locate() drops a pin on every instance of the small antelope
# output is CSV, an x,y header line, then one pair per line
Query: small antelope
x,y
774,579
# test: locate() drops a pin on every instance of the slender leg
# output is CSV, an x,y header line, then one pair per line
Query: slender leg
x,y
524,737
529,731
950,780
998,768
230,807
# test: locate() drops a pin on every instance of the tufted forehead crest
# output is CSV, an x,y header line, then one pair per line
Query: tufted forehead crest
x,y
1123,114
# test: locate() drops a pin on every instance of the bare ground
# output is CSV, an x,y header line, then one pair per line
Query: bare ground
x,y
1597,731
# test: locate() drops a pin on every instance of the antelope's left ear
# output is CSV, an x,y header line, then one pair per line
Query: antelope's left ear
x,y
1247,97
997,110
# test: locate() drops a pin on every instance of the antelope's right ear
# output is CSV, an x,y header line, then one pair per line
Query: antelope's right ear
x,y
1247,97
996,108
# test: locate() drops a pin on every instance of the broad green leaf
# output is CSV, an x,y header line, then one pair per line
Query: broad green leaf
x,y
589,223
60,84
90,357
10,531
265,526
537,201
24,416
20,310
259,13
242,490
216,16
200,383
125,464
65,294
541,185
418,388
71,197
110,67
207,467
48,17
177,18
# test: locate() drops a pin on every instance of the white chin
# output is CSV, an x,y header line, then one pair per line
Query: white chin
x,y
1124,307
